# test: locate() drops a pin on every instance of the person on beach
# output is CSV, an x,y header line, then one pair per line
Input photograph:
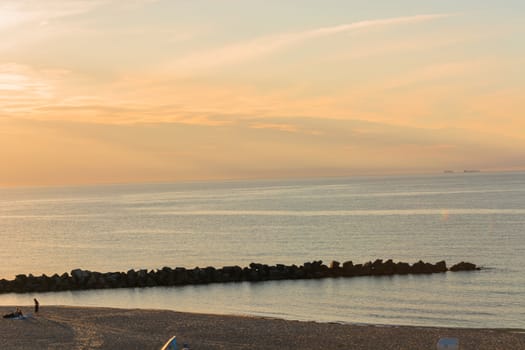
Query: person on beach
x,y
9,315
37,305
17,313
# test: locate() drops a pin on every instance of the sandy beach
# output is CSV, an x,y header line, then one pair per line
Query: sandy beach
x,y
60,327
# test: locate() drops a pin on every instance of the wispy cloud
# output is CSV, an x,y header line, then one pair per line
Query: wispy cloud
x,y
14,13
275,126
265,45
23,87
17,12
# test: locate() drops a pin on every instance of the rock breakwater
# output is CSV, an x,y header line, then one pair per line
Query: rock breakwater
x,y
79,279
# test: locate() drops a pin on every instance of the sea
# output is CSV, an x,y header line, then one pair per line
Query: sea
x,y
475,217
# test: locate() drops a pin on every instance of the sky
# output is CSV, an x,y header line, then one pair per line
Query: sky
x,y
111,91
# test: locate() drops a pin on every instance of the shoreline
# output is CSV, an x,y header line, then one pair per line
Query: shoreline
x,y
66,327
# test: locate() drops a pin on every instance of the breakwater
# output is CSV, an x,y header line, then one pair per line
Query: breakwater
x,y
80,279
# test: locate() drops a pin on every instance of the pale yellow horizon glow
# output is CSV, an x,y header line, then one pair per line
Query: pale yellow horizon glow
x,y
147,91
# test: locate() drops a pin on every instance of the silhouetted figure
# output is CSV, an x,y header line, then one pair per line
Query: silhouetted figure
x,y
17,313
37,305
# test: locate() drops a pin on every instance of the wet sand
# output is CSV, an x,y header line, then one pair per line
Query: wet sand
x,y
58,327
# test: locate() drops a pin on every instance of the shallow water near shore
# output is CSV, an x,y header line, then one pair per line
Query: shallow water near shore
x,y
475,217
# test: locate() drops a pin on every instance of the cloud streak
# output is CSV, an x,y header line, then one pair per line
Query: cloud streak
x,y
18,12
13,13
266,45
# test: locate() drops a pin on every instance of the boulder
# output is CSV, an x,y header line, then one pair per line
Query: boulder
x,y
80,277
421,267
5,286
377,263
402,268
19,284
383,268
275,273
440,266
181,276
464,266
131,278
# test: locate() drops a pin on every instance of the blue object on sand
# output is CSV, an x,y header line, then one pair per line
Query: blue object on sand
x,y
448,344
171,344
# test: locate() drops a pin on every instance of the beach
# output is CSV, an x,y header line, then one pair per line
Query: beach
x,y
61,327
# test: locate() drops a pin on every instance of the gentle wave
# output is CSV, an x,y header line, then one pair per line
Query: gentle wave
x,y
309,213
299,213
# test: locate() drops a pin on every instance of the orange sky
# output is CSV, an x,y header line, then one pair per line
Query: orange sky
x,y
143,91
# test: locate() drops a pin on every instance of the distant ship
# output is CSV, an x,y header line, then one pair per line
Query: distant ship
x,y
447,171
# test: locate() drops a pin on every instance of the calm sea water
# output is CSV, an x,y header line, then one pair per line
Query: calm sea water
x,y
476,217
